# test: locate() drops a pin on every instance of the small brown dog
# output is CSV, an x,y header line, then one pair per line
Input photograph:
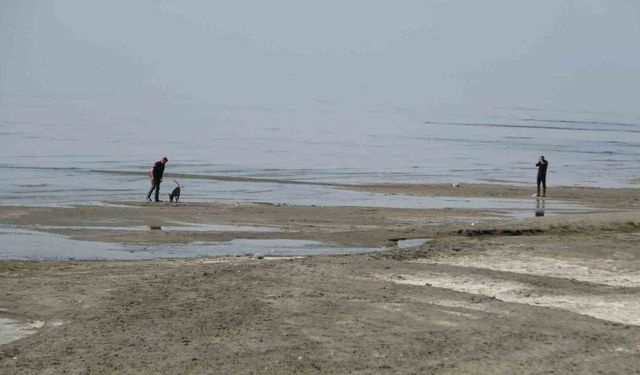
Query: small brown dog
x,y
175,194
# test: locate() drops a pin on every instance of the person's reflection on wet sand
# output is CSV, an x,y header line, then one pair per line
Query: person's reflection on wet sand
x,y
539,207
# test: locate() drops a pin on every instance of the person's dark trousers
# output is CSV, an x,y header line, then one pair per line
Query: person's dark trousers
x,y
543,181
155,185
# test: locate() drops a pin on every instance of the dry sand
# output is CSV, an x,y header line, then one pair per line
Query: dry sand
x,y
542,295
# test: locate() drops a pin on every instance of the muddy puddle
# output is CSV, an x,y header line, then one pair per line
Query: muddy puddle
x,y
171,227
12,330
20,244
411,243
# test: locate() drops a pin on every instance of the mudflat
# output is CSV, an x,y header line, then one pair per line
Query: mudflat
x,y
553,294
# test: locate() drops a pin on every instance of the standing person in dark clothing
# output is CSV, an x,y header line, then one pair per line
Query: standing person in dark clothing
x,y
542,175
156,178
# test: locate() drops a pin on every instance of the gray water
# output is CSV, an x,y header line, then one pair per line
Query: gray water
x,y
11,330
410,243
418,91
80,150
24,244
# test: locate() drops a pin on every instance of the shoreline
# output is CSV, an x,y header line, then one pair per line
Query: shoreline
x,y
616,197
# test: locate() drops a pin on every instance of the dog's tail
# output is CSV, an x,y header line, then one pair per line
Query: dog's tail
x,y
177,183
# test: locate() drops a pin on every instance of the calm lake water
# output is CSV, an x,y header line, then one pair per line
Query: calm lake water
x,y
81,149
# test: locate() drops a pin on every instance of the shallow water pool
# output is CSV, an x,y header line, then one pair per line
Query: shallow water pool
x,y
21,244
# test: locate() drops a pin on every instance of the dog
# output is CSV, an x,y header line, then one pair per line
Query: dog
x,y
175,194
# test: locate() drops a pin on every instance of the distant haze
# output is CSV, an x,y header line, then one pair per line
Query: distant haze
x,y
577,55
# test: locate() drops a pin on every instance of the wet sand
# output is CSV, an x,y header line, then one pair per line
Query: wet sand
x,y
548,294
591,196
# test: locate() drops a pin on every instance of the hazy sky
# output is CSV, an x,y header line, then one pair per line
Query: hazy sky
x,y
581,54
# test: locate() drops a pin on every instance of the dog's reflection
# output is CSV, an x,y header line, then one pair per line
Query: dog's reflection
x,y
539,207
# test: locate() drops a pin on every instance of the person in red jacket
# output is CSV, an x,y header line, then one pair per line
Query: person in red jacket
x,y
156,178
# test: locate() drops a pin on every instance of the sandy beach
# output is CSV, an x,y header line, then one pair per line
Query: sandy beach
x,y
553,294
